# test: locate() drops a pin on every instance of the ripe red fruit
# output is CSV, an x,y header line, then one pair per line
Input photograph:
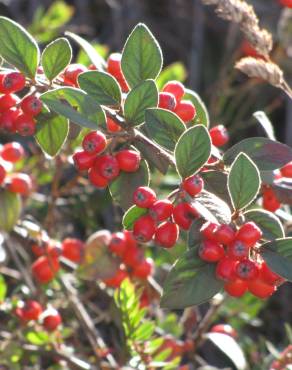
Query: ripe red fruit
x,y
12,82
208,230
184,214
8,118
96,179
25,125
260,289
117,279
128,160
94,142
193,185
186,110
19,183
52,321
107,166
211,251
247,270
166,234
236,288
114,65
144,228
238,250
2,174
144,197
268,276
224,234
143,269
83,160
73,249
224,329
286,171
31,105
8,101
249,233
161,210
225,269
176,88
167,101
31,310
12,152
132,255
219,135
111,125
118,244
72,72
286,3
45,268
270,201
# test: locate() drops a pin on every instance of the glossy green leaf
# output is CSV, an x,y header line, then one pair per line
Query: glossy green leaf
x,y
202,115
132,215
283,190
18,47
75,105
10,209
102,87
163,126
194,235
216,183
141,57
243,181
153,157
55,58
143,96
192,150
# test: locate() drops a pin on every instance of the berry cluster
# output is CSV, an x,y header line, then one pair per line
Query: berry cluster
x,y
17,115
33,311
105,167
14,182
236,255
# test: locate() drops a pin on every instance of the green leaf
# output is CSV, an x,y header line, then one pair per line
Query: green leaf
x,y
18,47
194,235
132,215
153,157
143,96
10,209
3,288
163,126
145,331
75,105
52,132
123,187
268,223
141,57
243,181
192,150
39,338
278,256
283,190
202,115
102,87
190,282
267,154
173,72
91,52
216,183
55,58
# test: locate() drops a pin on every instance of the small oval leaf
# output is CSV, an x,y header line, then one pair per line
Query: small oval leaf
x,y
132,215
10,209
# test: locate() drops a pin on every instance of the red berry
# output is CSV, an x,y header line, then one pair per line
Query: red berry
x,y
72,72
117,279
193,185
161,210
107,166
186,110
208,230
143,269
132,255
167,101
25,125
114,65
225,269
144,228
111,125
31,105
83,160
12,152
247,270
8,101
45,268
238,250
73,249
219,135
176,88
166,234
118,244
287,3
12,82
31,310
2,174
211,251
224,329
8,119
270,201
20,183
96,179
144,197
94,142
286,171
225,234
249,233
260,289
123,84
52,321
236,288
184,214
129,160
268,276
